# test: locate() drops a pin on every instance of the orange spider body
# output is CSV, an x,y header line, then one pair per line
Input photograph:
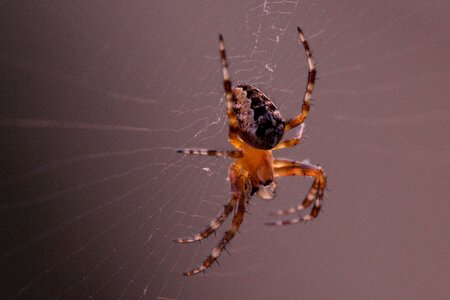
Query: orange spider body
x,y
256,164
256,127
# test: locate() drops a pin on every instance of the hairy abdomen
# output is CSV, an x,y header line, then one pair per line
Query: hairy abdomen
x,y
260,122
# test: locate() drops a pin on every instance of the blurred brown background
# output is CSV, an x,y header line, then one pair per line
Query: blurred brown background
x,y
96,96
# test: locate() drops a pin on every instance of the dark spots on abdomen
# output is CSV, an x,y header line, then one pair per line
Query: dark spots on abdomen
x,y
266,128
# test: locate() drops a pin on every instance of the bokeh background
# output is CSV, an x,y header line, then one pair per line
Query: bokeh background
x,y
97,95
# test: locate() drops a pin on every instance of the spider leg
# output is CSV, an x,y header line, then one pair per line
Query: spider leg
x,y
226,153
228,235
233,123
238,217
309,86
316,192
291,142
215,223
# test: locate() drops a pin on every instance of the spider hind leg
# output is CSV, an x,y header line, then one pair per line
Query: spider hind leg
x,y
309,85
293,141
233,127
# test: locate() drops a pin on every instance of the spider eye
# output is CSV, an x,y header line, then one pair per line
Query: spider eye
x,y
260,122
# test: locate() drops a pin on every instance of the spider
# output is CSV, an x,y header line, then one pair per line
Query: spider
x,y
256,127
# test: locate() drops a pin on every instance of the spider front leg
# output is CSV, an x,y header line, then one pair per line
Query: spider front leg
x,y
214,224
309,86
221,216
292,168
240,195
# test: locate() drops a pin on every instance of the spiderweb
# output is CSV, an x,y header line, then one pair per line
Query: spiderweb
x,y
92,190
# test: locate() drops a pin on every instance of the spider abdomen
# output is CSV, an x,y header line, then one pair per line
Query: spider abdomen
x,y
260,122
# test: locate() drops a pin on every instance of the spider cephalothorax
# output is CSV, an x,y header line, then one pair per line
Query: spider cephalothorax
x,y
256,127
260,122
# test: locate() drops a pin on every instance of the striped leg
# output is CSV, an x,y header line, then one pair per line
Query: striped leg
x,y
214,224
226,153
233,123
316,192
309,87
228,235
291,142
222,216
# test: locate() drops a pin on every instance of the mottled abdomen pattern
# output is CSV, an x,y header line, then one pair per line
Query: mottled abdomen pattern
x,y
260,122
